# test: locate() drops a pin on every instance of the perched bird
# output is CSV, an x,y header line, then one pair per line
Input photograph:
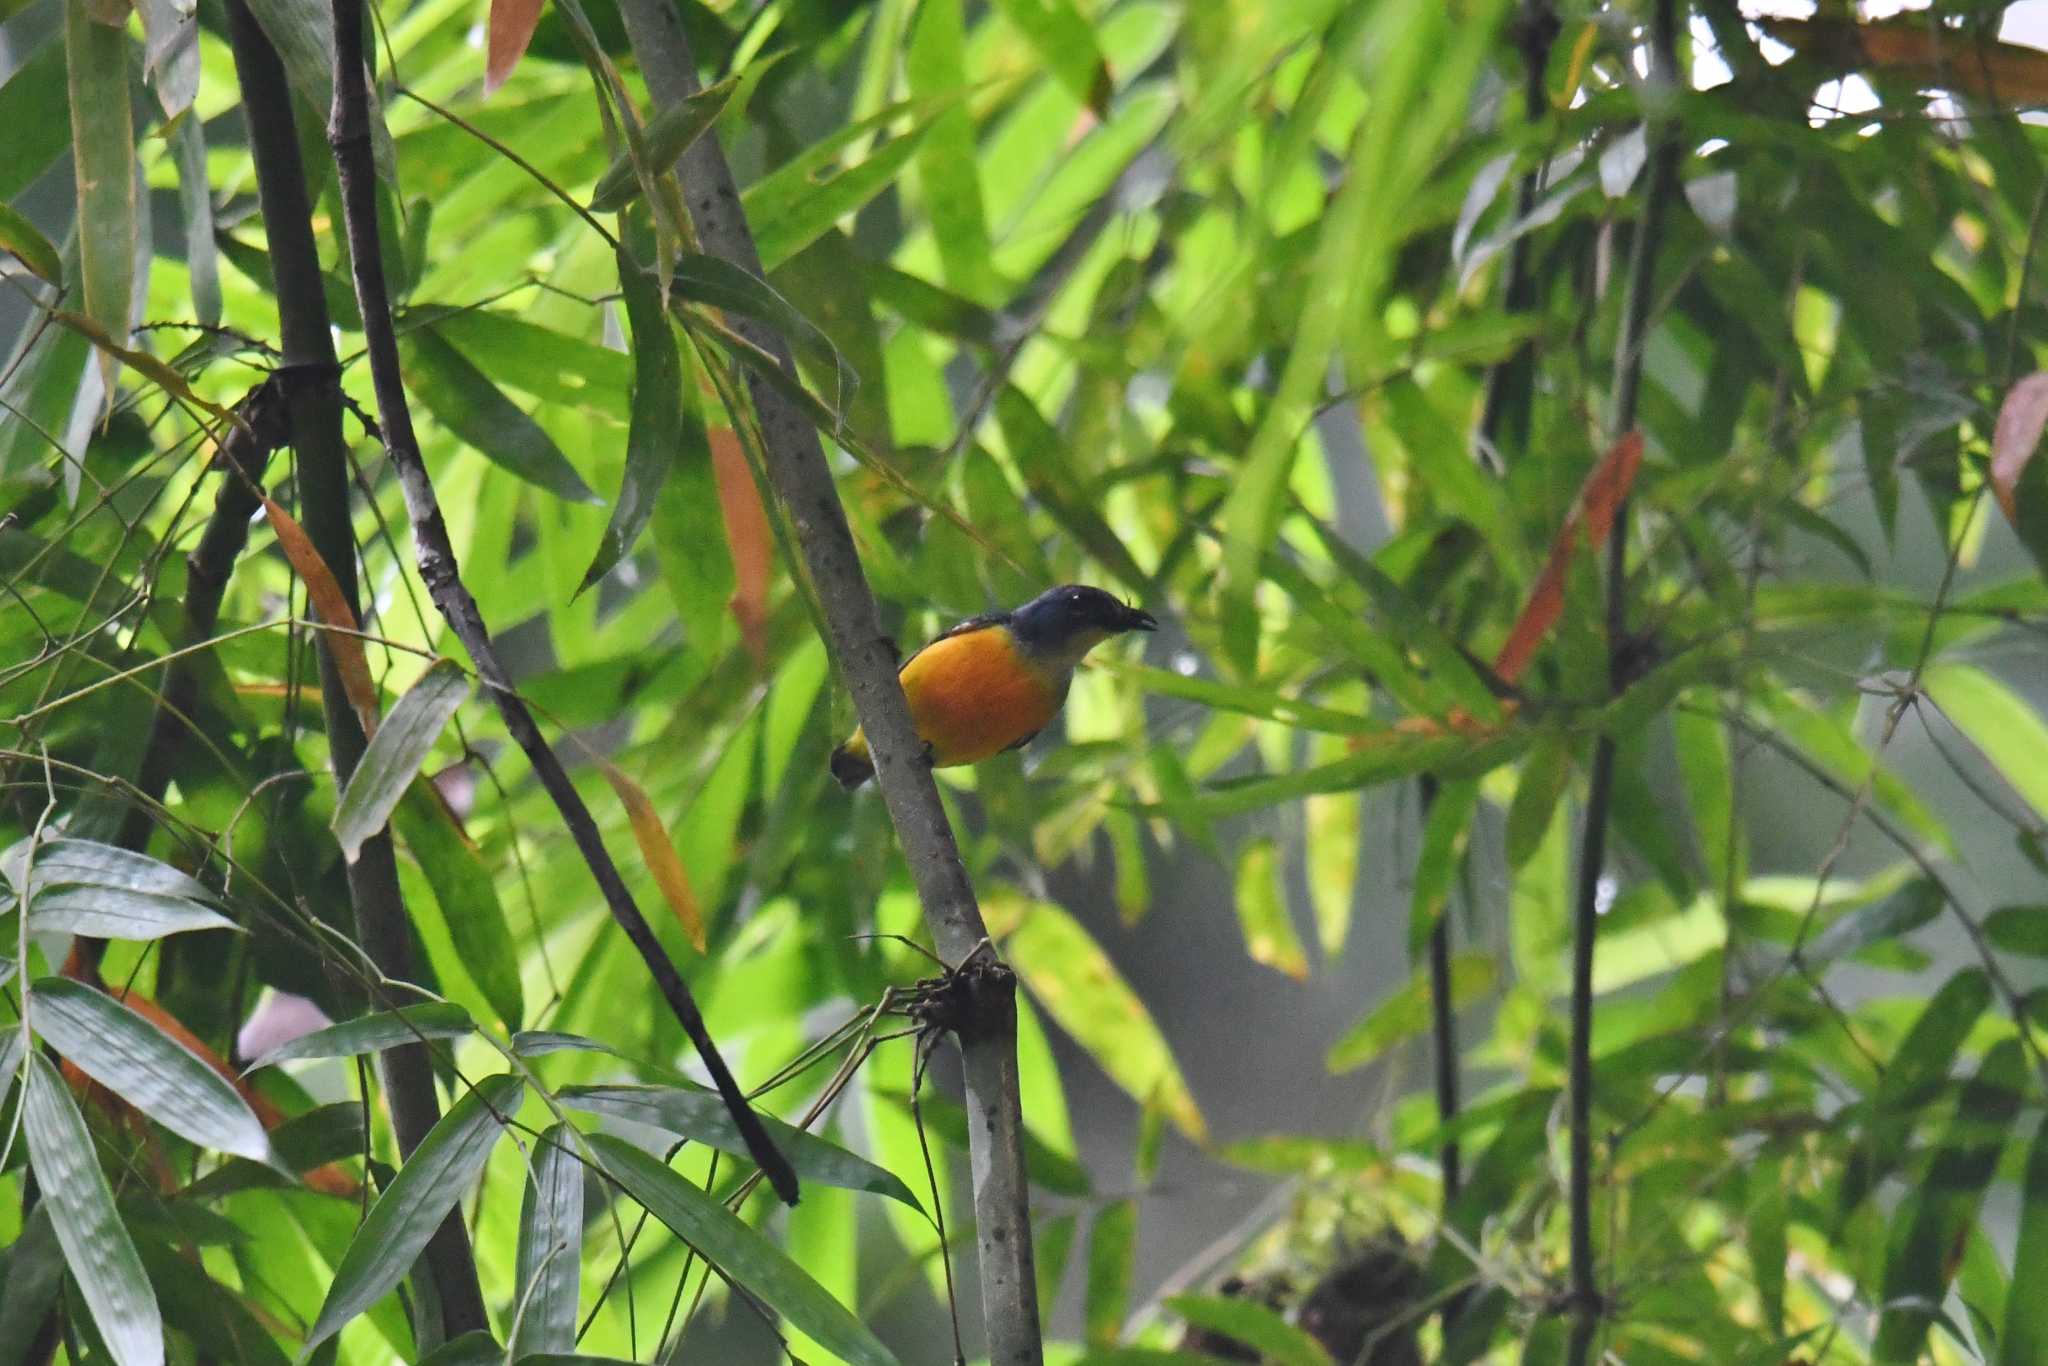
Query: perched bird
x,y
993,682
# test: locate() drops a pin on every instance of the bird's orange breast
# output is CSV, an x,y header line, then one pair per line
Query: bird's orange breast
x,y
974,695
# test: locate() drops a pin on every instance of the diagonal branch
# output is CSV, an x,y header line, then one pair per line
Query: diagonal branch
x,y
803,482
312,392
349,133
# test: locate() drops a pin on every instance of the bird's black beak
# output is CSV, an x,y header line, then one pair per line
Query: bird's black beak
x,y
1136,619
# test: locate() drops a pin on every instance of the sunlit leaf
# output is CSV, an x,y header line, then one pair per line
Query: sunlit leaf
x,y
1999,723
392,761
1406,1013
1112,1257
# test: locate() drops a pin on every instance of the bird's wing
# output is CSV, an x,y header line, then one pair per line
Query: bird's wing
x,y
1020,742
980,623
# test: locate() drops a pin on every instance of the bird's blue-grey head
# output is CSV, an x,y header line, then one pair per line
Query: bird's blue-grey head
x,y
1065,623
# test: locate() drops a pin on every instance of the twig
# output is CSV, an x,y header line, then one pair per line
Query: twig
x,y
313,403
349,134
1662,86
803,482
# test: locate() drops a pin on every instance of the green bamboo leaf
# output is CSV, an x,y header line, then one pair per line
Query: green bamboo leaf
x,y
375,1032
89,863
550,365
395,754
35,111
740,1253
948,171
1444,836
195,199
712,280
113,913
1941,1209
1881,922
412,1206
465,401
664,430
96,1246
2009,732
1253,1324
19,236
702,1117
1545,775
1075,982
666,137
1252,699
2019,929
2024,1338
467,898
135,1060
793,205
1262,914
35,1277
170,33
103,156
1379,757
1408,1012
550,1248
1065,41
1112,1264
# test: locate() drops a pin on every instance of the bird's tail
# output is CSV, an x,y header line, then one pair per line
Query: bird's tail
x,y
851,764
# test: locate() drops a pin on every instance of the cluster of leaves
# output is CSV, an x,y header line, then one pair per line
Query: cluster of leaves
x,y
1106,292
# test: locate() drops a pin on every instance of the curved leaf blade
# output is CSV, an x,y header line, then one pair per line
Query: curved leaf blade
x,y
463,399
702,1117
112,913
96,1245
741,1253
550,1248
374,1033
414,1204
138,1062
395,754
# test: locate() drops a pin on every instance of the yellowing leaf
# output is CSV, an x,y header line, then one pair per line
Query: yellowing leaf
x,y
1078,986
331,606
1269,935
663,863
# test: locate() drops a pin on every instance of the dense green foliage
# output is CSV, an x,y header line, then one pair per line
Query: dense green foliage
x,y
1109,291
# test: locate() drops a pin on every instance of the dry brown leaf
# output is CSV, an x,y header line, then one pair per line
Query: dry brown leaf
x,y
749,538
1592,515
2021,419
659,852
332,608
510,30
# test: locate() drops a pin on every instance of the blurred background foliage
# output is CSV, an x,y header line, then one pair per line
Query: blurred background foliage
x,y
1209,304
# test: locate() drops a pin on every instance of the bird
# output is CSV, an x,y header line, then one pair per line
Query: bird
x,y
993,682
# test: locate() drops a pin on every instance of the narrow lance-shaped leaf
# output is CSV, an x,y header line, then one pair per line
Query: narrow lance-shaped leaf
x,y
1444,835
195,199
749,537
658,851
740,1253
661,433
343,643
1078,985
2024,1337
1262,913
395,753
1065,41
1253,1324
129,1056
103,157
666,137
702,1117
374,1033
30,247
2003,727
412,1206
550,1247
463,399
1112,1256
116,913
2018,480
96,1244
466,896
1407,1012
508,32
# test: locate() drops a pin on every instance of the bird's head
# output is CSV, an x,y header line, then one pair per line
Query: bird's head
x,y
1067,622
